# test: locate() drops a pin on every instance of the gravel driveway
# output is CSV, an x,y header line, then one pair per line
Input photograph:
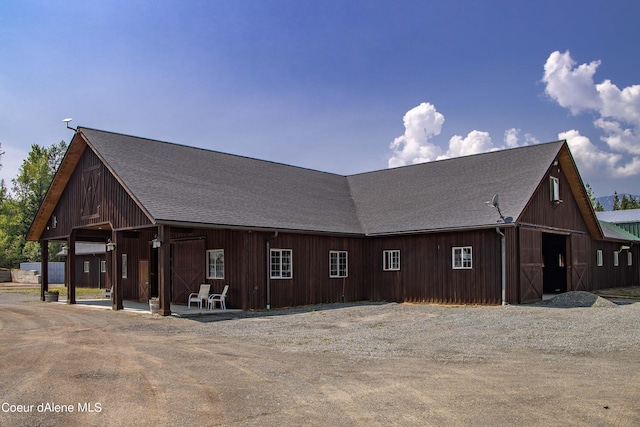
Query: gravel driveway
x,y
338,365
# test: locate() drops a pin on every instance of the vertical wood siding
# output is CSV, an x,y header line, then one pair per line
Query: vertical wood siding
x,y
109,202
94,278
608,275
542,211
426,273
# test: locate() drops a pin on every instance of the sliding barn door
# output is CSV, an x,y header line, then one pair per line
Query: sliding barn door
x,y
187,272
580,250
530,265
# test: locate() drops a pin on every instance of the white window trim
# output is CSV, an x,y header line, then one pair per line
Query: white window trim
x,y
629,258
280,275
103,266
599,257
388,260
124,266
616,261
86,266
217,275
462,250
555,189
346,266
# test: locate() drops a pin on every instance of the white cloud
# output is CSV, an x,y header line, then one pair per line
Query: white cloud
x,y
618,115
571,87
512,138
475,142
424,122
421,123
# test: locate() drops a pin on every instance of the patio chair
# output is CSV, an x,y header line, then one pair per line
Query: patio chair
x,y
202,295
221,298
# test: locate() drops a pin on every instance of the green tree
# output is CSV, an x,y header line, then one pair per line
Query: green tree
x,y
597,206
34,177
629,202
616,201
18,210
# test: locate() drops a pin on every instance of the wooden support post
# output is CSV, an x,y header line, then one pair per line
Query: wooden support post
x,y
44,268
164,271
71,268
116,262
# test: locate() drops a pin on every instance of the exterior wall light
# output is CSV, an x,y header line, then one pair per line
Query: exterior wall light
x,y
110,246
156,242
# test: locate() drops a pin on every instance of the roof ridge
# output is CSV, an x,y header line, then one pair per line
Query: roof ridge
x,y
466,156
212,151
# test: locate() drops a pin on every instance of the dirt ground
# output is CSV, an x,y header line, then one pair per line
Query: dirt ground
x,y
65,365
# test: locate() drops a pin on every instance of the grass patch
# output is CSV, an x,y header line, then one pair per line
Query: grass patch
x,y
81,293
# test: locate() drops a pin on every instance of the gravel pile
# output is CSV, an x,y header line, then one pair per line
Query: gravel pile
x,y
579,299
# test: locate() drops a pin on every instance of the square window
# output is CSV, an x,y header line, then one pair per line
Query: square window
x,y
338,264
281,263
599,257
462,257
215,264
391,260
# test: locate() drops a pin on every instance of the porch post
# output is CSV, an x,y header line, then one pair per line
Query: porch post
x,y
44,268
164,271
71,268
116,265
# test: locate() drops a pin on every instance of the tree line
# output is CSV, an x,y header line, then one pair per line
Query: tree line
x,y
19,206
627,202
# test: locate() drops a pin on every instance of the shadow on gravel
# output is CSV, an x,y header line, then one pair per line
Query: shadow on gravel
x,y
281,311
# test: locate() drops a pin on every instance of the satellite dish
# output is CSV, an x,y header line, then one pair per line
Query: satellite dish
x,y
495,202
67,120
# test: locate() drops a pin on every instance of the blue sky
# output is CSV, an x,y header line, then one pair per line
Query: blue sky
x,y
340,86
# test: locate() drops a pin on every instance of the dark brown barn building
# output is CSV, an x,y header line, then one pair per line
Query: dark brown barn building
x,y
281,235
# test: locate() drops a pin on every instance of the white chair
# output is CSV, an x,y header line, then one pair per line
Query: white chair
x,y
221,298
203,295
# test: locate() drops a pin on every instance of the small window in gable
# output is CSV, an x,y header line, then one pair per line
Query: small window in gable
x,y
555,189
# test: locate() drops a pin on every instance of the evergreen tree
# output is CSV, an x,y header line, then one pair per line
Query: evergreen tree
x,y
616,201
597,206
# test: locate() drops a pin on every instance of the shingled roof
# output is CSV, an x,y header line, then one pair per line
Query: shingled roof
x,y
177,183
451,194
185,185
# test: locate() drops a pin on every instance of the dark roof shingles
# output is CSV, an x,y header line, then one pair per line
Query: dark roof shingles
x,y
185,184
